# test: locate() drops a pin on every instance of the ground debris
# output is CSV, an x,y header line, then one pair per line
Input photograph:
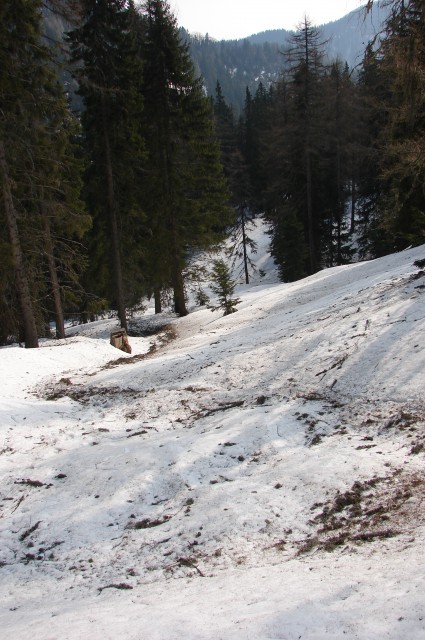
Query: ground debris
x,y
165,335
121,585
21,499
29,531
33,483
336,365
204,413
146,523
375,509
137,433
186,562
6,450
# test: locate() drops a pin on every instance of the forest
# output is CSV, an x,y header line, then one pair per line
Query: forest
x,y
103,207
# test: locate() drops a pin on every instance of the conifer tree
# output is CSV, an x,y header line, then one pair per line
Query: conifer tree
x,y
185,194
227,135
254,121
393,86
241,243
338,163
305,57
373,90
236,171
293,154
39,175
403,166
224,287
109,72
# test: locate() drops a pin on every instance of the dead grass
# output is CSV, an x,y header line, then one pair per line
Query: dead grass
x,y
373,510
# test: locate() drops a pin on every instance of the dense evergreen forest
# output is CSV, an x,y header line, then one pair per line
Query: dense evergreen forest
x,y
105,206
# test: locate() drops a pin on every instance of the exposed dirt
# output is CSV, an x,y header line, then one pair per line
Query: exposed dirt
x,y
382,507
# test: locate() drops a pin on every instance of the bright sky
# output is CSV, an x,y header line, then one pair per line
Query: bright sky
x,y
231,19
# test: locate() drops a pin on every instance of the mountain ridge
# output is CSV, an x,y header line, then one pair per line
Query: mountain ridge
x,y
244,62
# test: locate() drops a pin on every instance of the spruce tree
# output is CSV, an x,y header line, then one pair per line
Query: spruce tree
x,y
294,146
185,194
253,125
403,167
305,58
224,287
226,133
37,173
392,83
237,173
337,165
109,71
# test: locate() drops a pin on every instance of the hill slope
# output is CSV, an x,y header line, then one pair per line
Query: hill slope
x,y
254,476
238,64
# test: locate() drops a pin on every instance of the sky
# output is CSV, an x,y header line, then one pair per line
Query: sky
x,y
233,19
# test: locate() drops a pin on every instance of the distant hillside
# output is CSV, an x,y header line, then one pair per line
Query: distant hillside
x,y
349,36
346,37
237,64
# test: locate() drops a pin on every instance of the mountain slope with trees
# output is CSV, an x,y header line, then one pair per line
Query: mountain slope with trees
x,y
104,210
237,64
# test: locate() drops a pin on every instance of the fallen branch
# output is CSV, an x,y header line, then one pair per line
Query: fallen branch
x,y
33,483
186,562
142,432
148,524
371,535
137,433
204,413
338,364
29,531
122,585
21,499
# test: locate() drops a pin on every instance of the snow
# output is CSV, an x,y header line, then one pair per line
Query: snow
x,y
255,476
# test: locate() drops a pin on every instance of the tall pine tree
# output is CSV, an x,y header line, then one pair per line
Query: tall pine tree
x,y
185,194
293,154
109,71
39,176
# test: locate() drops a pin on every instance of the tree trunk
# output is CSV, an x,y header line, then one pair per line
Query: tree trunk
x,y
176,268
340,201
22,284
177,276
178,289
157,298
245,256
310,220
353,206
54,282
116,252
179,299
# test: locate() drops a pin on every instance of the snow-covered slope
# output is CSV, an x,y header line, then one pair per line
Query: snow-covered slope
x,y
254,476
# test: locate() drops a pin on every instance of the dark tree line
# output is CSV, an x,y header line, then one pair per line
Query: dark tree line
x,y
42,215
335,157
106,207
234,64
